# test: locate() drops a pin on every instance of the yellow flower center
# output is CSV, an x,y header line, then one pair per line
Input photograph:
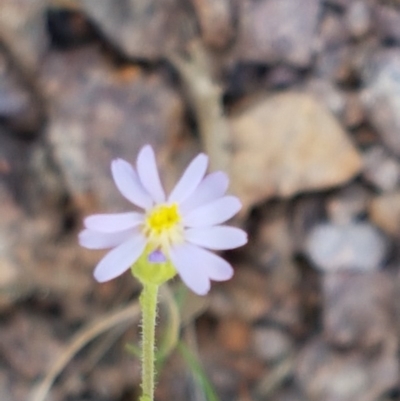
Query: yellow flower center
x,y
163,217
162,226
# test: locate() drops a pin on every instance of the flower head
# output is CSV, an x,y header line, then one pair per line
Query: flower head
x,y
171,234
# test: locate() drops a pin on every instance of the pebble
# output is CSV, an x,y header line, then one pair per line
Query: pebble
x,y
358,18
234,334
270,344
381,169
348,204
358,246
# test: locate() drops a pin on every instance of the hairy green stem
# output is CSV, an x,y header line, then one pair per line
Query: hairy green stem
x,y
148,301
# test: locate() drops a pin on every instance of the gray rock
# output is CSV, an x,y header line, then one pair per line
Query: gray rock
x,y
387,22
142,29
335,64
361,318
282,76
279,31
358,18
380,169
21,108
23,29
334,55
333,31
109,114
324,373
381,97
329,94
357,246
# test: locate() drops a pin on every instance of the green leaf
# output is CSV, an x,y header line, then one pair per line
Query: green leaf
x,y
198,371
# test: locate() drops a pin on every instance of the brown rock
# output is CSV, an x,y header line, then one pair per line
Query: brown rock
x,y
354,113
22,340
308,151
278,31
245,296
216,19
348,204
11,273
234,334
272,246
307,212
384,211
253,296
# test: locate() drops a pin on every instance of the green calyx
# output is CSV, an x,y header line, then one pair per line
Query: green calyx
x,y
148,272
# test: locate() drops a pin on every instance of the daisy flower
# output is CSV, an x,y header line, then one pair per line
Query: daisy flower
x,y
177,231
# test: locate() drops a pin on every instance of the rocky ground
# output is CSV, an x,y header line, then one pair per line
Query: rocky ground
x,y
299,101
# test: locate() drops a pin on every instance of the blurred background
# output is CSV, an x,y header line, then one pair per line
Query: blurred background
x,y
298,100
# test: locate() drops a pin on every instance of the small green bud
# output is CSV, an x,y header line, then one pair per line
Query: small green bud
x,y
152,272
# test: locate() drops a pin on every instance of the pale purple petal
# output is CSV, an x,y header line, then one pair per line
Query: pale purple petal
x,y
218,269
111,223
212,187
157,256
196,267
148,174
128,183
190,179
216,237
213,213
120,259
194,276
95,240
